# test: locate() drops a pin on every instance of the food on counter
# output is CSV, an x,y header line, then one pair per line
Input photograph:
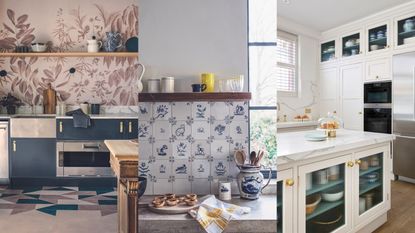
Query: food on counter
x,y
158,203
191,196
302,118
172,201
170,196
330,125
191,202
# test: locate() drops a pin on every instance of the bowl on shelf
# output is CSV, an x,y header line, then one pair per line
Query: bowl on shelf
x,y
311,203
39,47
327,222
234,84
374,47
333,194
369,178
142,184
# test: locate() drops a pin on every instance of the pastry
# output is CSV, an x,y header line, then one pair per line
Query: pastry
x,y
172,201
191,196
191,202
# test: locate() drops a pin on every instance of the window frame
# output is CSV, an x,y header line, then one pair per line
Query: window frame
x,y
294,37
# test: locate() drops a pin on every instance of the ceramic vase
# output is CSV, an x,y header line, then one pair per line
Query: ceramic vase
x,y
113,42
250,181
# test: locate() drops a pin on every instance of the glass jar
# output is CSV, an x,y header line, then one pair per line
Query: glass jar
x,y
167,85
330,124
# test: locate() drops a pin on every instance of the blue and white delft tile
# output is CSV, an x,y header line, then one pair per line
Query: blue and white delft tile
x,y
214,186
219,111
162,149
145,150
161,111
181,169
161,130
239,145
200,111
181,111
233,170
219,169
162,169
239,110
200,168
145,130
200,149
181,130
163,186
182,186
201,186
145,110
201,130
219,149
182,149
145,168
239,129
219,130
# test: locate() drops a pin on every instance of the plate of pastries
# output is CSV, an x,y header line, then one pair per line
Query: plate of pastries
x,y
171,203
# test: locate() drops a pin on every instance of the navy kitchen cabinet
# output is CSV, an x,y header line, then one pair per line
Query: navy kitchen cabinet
x,y
33,157
100,129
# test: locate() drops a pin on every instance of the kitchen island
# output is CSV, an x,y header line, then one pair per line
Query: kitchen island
x,y
340,184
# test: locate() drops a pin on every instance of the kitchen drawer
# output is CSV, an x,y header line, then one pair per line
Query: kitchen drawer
x,y
100,129
378,70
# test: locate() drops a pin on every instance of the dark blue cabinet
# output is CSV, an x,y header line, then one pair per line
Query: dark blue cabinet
x,y
100,129
33,157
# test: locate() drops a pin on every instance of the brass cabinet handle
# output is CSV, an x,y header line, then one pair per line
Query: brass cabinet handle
x,y
60,127
289,182
377,76
121,127
360,113
358,161
130,127
388,46
14,146
350,164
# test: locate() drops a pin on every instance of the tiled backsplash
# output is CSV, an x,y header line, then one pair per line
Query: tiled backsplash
x,y
188,146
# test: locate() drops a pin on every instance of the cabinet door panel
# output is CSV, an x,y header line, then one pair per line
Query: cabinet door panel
x,y
329,83
353,114
285,201
100,129
352,81
378,70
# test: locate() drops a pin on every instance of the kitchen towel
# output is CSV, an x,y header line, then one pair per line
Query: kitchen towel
x,y
80,119
214,215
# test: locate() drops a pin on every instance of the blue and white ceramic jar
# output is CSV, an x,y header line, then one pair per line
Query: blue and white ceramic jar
x,y
250,182
409,25
113,42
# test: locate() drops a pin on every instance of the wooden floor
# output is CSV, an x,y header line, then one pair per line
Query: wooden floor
x,y
401,217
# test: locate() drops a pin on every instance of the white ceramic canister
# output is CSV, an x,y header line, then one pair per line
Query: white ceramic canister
x,y
94,46
225,190
153,85
167,84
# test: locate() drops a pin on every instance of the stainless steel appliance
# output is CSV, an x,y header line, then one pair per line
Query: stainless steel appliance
x,y
378,107
4,152
404,115
378,93
83,158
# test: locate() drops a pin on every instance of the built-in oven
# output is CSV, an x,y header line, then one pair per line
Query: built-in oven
x,y
378,93
378,120
83,158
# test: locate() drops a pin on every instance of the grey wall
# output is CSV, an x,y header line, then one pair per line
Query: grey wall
x,y
183,38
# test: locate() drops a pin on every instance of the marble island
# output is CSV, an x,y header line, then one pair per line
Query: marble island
x,y
354,168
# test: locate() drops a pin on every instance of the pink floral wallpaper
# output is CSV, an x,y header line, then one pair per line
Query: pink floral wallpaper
x,y
65,26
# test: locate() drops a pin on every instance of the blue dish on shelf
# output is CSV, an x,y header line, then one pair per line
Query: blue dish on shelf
x,y
142,185
132,44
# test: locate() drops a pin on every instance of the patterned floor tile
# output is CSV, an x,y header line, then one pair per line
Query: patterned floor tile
x,y
54,208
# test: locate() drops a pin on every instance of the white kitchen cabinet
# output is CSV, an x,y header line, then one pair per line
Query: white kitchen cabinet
x,y
333,175
378,38
329,51
329,90
352,44
401,35
285,200
378,70
353,114
371,183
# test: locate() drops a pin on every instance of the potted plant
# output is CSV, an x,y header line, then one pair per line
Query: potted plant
x,y
10,102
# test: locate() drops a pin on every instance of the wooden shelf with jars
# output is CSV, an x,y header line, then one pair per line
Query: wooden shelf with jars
x,y
71,54
191,96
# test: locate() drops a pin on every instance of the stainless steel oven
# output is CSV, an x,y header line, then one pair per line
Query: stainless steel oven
x,y
378,120
378,93
83,158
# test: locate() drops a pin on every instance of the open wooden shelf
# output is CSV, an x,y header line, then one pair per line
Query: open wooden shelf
x,y
71,54
191,97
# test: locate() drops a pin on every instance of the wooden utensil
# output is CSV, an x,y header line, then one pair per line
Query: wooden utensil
x,y
252,157
240,157
259,158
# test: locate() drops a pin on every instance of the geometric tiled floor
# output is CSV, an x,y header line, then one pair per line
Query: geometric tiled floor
x,y
58,209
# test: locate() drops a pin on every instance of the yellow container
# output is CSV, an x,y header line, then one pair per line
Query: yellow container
x,y
209,80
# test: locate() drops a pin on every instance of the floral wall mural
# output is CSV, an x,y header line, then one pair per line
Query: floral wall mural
x,y
65,26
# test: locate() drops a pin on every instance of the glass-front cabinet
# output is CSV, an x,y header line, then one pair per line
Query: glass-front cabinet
x,y
405,30
324,196
351,44
371,174
378,38
285,189
328,51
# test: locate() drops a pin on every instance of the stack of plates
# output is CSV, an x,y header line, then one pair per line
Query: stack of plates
x,y
315,136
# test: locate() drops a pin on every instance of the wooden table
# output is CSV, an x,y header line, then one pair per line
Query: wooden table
x,y
124,162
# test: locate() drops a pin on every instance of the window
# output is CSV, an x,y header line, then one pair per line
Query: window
x,y
263,80
286,62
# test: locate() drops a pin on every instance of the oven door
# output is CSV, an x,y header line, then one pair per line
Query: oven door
x,y
87,158
378,93
378,120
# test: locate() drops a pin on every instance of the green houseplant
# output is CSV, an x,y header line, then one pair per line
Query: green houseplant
x,y
10,102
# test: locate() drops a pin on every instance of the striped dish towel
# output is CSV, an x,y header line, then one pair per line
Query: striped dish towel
x,y
214,215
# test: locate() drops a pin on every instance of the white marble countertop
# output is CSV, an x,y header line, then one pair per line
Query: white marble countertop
x,y
262,218
293,124
100,116
294,146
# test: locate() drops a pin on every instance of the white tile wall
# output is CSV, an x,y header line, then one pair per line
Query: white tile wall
x,y
188,146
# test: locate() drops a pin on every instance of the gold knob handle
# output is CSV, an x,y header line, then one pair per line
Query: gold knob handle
x,y
60,127
289,182
121,127
360,113
130,127
358,161
14,146
377,76
350,164
388,46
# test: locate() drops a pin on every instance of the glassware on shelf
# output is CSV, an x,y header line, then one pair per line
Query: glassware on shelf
x,y
370,182
330,124
234,84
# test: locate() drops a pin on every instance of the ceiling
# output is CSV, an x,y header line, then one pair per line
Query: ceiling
x,y
322,15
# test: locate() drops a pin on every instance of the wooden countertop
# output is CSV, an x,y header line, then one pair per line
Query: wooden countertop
x,y
123,149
